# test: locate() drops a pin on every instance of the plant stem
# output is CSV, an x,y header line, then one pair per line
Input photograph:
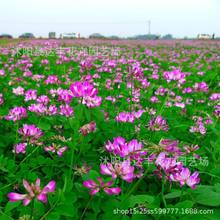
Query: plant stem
x,y
85,209
134,187
32,211
27,157
71,163
162,192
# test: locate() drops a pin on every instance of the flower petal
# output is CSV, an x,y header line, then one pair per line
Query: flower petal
x,y
50,187
13,197
90,184
113,191
28,188
26,201
42,197
94,191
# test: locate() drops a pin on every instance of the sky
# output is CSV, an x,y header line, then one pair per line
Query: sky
x,y
114,17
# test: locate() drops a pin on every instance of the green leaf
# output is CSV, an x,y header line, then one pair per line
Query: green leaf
x,y
11,205
184,204
66,210
5,217
44,125
53,216
209,198
217,187
91,175
39,208
139,199
174,194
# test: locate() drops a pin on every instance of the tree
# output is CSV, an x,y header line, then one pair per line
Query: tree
x,y
96,36
167,37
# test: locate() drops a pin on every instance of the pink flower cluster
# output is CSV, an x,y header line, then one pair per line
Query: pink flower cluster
x,y
56,149
33,191
214,97
120,147
174,171
175,75
88,128
199,126
217,110
52,79
158,124
87,92
20,148
130,153
129,117
18,91
30,134
124,170
2,73
1,99
201,87
31,94
16,114
30,131
95,187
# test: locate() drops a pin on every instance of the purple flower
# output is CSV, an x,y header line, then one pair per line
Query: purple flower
x,y
38,108
81,89
16,114
217,110
131,150
52,79
86,91
123,170
100,185
199,126
18,91
52,110
31,94
214,96
157,124
92,102
168,164
1,99
184,177
125,117
201,87
2,72
66,110
129,117
154,99
44,62
30,132
118,142
43,99
175,75
88,128
56,149
65,95
20,148
33,191
187,90
170,146
175,171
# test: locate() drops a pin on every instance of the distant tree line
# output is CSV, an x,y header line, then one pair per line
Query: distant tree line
x,y
137,37
113,37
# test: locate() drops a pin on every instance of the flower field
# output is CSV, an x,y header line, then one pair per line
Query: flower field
x,y
110,130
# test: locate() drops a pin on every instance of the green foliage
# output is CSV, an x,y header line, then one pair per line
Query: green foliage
x,y
146,195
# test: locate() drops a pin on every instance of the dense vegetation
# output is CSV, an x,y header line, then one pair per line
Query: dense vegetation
x,y
114,130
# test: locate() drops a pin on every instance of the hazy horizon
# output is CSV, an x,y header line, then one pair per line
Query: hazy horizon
x,y
179,18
